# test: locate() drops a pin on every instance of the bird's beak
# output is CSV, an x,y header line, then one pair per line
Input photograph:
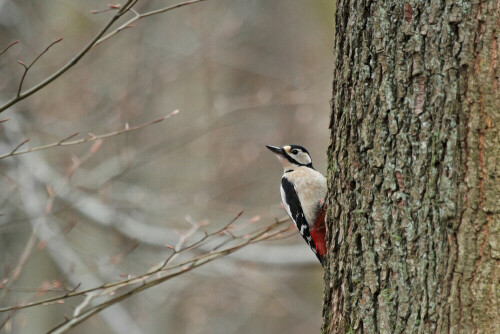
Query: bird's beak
x,y
276,150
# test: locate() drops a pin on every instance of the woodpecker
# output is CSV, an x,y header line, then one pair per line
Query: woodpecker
x,y
303,192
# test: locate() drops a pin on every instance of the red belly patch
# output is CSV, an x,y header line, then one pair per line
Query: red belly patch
x,y
318,233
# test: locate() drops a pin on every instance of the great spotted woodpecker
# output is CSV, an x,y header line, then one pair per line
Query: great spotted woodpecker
x,y
303,192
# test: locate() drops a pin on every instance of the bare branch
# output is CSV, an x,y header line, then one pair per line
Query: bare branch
x,y
110,7
20,265
102,214
13,152
77,162
95,41
6,321
33,237
117,318
66,139
260,235
68,65
90,138
27,67
177,249
138,16
8,47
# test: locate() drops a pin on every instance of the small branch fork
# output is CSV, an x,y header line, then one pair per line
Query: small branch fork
x,y
138,16
27,67
72,62
182,268
90,138
98,38
161,273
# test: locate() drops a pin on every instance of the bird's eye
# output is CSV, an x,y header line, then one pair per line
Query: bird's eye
x,y
295,151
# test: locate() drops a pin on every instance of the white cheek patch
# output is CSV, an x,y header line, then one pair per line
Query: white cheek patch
x,y
303,158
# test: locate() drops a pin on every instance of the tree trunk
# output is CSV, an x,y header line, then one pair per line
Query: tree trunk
x,y
414,168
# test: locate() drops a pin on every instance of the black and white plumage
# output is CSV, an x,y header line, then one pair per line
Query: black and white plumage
x,y
303,192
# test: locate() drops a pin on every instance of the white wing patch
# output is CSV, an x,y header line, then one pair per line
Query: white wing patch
x,y
302,229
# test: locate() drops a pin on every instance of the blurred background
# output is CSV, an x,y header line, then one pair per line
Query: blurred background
x,y
243,73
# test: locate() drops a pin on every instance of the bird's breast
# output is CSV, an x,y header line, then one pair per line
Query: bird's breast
x,y
311,188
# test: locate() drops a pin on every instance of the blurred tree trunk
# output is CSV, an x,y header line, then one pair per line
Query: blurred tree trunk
x,y
414,168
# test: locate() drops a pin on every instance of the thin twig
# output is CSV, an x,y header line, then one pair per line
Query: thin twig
x,y
196,263
27,67
13,152
28,249
77,162
8,47
71,63
91,137
138,16
61,252
95,41
103,214
20,265
110,7
177,250
6,320
264,233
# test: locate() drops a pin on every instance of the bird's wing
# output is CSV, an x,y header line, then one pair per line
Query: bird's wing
x,y
294,209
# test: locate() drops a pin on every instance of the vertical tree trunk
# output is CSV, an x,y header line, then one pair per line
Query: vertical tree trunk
x,y
414,168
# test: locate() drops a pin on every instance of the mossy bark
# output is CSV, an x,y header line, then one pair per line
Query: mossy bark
x,y
414,168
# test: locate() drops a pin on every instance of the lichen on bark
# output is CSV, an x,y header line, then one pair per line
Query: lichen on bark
x,y
414,169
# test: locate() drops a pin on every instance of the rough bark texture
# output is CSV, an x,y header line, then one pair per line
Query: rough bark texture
x,y
414,168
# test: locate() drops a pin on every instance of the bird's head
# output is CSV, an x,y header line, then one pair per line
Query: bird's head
x,y
292,156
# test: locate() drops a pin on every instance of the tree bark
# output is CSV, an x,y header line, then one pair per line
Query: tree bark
x,y
414,168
